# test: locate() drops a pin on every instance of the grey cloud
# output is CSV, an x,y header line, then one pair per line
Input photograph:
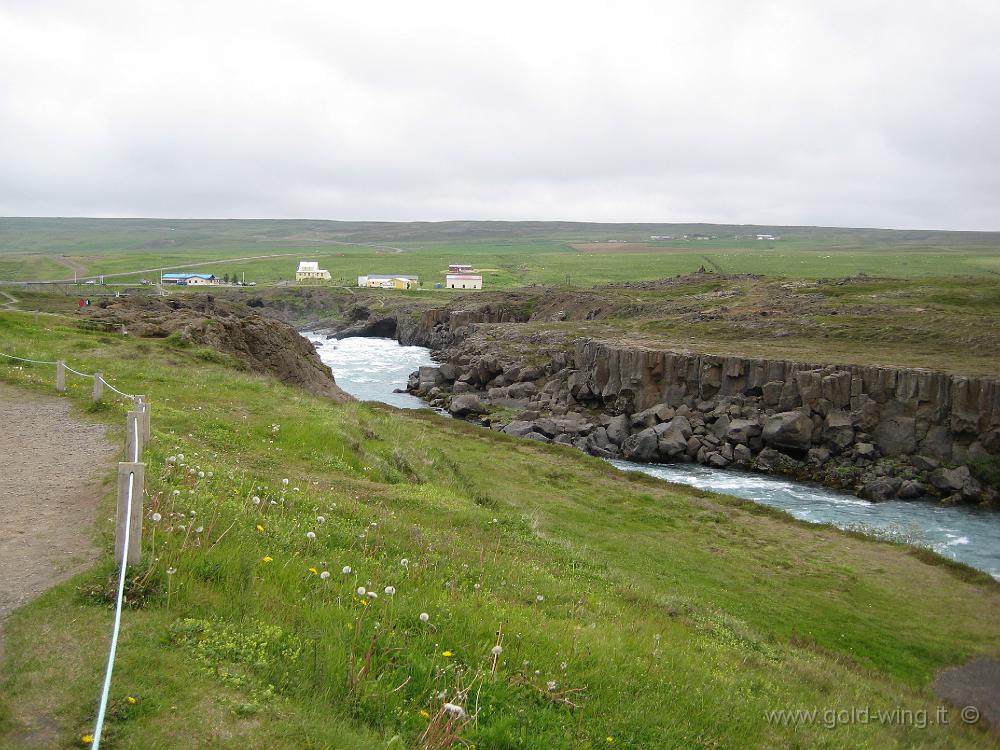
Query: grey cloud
x,y
855,113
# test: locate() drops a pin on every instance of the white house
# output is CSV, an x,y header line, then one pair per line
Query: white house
x,y
464,281
388,281
309,270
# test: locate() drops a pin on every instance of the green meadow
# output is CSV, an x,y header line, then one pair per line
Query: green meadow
x,y
628,612
509,254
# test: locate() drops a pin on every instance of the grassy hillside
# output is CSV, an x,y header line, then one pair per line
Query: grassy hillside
x,y
630,612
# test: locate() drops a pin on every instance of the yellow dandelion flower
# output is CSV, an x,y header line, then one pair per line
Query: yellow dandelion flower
x,y
446,653
424,714
260,528
610,739
364,602
314,571
266,558
131,700
87,739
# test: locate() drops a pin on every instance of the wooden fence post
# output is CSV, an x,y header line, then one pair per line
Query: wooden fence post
x,y
133,436
138,473
61,376
142,406
98,388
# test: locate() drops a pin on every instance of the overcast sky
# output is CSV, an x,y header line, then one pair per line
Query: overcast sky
x,y
849,112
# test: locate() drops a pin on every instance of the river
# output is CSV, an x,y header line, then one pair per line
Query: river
x,y
370,369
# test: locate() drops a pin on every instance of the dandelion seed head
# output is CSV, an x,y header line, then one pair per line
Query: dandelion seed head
x,y
256,500
201,475
539,598
310,535
199,530
496,650
454,709
563,666
156,517
404,562
171,459
180,456
325,574
390,590
284,482
361,591
424,617
372,595
320,519
476,587
171,571
346,570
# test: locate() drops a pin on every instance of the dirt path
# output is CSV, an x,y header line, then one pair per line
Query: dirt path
x,y
72,265
46,516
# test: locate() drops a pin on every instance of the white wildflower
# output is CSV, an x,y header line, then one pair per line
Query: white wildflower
x,y
551,685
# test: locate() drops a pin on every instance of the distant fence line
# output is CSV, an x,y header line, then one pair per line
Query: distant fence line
x,y
131,479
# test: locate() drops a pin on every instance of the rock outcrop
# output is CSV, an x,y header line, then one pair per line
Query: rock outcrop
x,y
261,343
881,432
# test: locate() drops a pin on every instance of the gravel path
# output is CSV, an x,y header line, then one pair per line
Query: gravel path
x,y
46,515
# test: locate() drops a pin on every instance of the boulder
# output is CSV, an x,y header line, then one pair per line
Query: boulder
x,y
717,460
896,436
537,436
742,454
741,430
838,430
790,429
466,404
878,490
618,429
924,463
519,428
672,442
641,446
950,480
865,450
911,490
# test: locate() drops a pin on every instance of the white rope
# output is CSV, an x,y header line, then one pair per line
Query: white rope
x,y
111,387
105,693
24,359
77,372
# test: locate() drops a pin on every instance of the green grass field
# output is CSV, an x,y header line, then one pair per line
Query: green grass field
x,y
514,254
631,613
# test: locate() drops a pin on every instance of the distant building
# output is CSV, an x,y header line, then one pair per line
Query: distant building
x,y
189,279
388,281
766,237
459,268
309,270
464,281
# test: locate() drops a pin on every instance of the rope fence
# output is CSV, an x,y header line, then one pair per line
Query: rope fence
x,y
128,527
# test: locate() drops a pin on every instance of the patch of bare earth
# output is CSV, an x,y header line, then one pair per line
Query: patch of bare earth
x,y
975,689
54,468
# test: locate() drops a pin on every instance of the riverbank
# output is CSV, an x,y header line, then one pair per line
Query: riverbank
x,y
373,368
